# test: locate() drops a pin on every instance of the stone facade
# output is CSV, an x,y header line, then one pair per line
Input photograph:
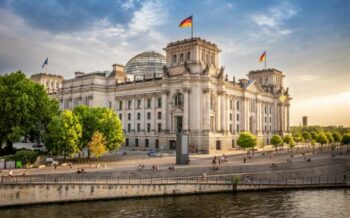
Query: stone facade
x,y
194,96
51,82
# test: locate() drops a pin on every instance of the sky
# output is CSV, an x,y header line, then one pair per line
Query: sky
x,y
308,40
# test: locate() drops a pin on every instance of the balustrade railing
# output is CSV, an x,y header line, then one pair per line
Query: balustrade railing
x,y
215,179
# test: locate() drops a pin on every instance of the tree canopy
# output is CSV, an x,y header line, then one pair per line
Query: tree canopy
x,y
247,140
346,139
103,120
25,108
276,141
63,134
322,139
97,145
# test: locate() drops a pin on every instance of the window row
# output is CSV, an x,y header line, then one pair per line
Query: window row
x,y
138,116
127,143
139,103
179,58
148,127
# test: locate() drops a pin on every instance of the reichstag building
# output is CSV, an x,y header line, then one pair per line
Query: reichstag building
x,y
186,91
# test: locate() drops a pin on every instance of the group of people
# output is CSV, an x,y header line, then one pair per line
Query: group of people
x,y
81,170
172,168
141,166
154,167
217,161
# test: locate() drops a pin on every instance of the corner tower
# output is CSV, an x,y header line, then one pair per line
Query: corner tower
x,y
195,55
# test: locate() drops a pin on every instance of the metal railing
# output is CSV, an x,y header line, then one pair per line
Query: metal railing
x,y
213,179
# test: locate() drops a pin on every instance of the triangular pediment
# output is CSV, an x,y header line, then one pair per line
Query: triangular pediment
x,y
253,86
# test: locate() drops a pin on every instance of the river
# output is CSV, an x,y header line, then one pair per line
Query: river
x,y
293,203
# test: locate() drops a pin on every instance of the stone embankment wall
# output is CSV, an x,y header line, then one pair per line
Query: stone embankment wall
x,y
23,194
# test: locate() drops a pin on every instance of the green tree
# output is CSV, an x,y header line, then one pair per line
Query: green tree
x,y
314,135
276,141
346,140
298,137
25,108
288,139
336,136
63,134
247,140
103,120
307,137
97,145
322,139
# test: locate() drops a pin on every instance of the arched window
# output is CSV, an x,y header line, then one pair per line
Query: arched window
x,y
181,57
174,59
188,56
179,100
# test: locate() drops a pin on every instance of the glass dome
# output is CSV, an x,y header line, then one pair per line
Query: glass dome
x,y
146,64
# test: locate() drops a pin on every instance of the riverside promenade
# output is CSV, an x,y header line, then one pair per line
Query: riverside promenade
x,y
41,186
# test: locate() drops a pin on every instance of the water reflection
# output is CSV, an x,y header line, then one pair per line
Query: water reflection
x,y
301,203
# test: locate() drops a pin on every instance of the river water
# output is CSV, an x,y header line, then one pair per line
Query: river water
x,y
293,203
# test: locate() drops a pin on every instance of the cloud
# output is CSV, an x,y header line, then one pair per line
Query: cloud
x,y
271,22
59,16
95,48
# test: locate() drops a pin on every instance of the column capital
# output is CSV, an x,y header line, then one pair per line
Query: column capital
x,y
206,90
186,89
221,92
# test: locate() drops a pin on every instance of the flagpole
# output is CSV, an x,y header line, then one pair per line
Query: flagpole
x,y
192,27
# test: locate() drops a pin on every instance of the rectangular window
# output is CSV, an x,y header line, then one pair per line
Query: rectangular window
x,y
120,105
230,127
159,102
159,127
237,117
231,103
138,104
110,104
136,142
233,143
148,127
138,127
270,119
237,127
129,104
120,116
149,101
237,106
146,143
230,116
138,116
265,109
129,127
159,115
148,115
129,116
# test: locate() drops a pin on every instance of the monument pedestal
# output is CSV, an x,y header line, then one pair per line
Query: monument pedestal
x,y
182,155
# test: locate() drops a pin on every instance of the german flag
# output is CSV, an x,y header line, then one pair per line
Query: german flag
x,y
262,57
186,22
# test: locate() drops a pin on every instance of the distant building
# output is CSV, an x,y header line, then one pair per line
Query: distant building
x,y
305,121
184,91
51,82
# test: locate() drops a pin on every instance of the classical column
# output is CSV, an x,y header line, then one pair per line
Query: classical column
x,y
206,115
222,111
186,109
288,118
164,110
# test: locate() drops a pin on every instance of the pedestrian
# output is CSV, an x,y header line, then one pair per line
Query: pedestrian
x,y
244,159
204,175
10,173
71,165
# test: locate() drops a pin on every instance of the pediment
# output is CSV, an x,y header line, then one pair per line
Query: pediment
x,y
253,86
